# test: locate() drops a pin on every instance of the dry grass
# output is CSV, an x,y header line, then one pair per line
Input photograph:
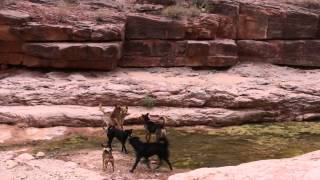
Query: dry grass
x,y
64,8
68,13
179,12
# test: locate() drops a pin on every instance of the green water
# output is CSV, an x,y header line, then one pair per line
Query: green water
x,y
214,147
239,144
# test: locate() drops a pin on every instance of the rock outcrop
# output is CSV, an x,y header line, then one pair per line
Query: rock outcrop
x,y
242,94
305,167
293,52
150,53
267,31
82,116
25,166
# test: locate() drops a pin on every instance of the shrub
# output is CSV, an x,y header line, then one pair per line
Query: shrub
x,y
64,8
178,12
204,5
199,3
100,16
149,101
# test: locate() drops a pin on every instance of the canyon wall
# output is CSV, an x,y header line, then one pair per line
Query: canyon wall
x,y
232,32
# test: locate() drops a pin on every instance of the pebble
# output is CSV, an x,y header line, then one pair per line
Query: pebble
x,y
40,154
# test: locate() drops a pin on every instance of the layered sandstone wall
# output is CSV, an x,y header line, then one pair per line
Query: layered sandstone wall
x,y
232,32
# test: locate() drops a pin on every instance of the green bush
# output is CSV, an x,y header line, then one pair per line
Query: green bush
x,y
178,12
149,101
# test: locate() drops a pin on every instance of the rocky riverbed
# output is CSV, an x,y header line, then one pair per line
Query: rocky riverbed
x,y
76,152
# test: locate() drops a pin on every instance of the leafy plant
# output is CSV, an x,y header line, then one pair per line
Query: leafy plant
x,y
149,101
204,5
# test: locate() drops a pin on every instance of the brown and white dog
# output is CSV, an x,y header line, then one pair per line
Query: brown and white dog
x,y
116,117
107,157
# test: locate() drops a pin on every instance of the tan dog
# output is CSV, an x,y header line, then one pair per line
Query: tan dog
x,y
116,118
107,157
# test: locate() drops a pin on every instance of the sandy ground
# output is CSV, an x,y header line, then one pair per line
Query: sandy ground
x,y
83,163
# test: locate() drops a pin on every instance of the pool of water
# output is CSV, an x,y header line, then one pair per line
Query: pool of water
x,y
211,147
195,147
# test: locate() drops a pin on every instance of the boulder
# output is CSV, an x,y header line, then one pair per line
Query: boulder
x,y
142,26
40,154
305,167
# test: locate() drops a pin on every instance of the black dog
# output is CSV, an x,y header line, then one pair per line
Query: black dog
x,y
153,128
146,150
121,135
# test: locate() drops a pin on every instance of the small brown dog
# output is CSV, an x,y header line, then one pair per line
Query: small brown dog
x,y
107,157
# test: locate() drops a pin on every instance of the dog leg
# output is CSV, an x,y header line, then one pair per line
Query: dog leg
x,y
148,163
135,164
125,149
148,137
121,124
110,142
160,163
103,164
168,162
112,164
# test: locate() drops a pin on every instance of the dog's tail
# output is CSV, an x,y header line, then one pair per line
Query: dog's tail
x,y
164,140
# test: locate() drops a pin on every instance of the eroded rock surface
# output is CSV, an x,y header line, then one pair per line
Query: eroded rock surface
x,y
278,32
305,167
24,166
245,93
